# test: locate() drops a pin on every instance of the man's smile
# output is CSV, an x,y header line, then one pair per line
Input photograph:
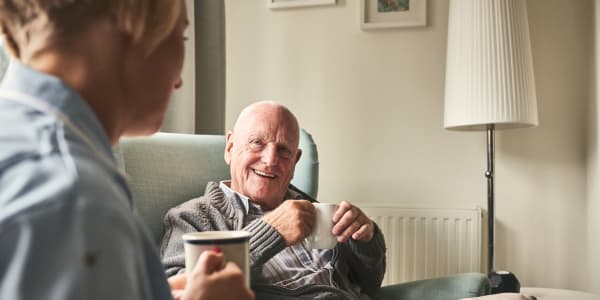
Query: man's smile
x,y
264,174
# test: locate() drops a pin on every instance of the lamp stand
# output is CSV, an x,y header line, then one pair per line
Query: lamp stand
x,y
501,281
489,174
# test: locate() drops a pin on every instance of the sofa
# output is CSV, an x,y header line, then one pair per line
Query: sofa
x,y
167,169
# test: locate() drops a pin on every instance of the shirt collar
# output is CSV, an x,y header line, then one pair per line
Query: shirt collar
x,y
60,96
225,186
229,193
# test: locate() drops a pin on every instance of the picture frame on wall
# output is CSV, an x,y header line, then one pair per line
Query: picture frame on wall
x,y
376,14
275,4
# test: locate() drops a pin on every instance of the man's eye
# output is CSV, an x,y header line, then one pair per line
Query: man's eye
x,y
256,143
285,153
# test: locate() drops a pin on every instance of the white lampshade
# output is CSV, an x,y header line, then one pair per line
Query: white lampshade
x,y
489,71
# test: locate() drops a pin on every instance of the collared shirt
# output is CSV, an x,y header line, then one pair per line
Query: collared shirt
x,y
229,193
67,230
298,265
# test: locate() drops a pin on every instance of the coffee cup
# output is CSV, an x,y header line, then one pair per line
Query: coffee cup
x,y
233,244
321,236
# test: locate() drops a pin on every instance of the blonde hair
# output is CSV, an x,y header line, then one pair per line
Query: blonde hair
x,y
148,22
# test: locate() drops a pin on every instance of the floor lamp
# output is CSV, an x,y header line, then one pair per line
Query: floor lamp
x,y
489,86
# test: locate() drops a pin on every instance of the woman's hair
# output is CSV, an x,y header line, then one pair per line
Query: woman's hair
x,y
148,22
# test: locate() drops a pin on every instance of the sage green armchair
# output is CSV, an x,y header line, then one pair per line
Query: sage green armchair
x,y
167,169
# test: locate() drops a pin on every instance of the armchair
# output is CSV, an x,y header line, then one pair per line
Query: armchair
x,y
167,169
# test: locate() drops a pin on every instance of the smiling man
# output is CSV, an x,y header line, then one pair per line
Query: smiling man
x,y
262,152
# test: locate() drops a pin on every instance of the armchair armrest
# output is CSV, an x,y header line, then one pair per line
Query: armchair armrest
x,y
444,288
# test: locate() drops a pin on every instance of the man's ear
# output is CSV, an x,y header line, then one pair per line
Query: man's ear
x,y
298,155
228,145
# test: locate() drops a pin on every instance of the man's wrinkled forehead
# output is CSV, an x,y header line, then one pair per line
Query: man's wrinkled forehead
x,y
269,131
267,121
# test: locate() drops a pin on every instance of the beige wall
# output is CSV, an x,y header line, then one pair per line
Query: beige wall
x,y
593,198
374,103
180,113
553,248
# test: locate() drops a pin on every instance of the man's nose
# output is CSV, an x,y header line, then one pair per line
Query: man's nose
x,y
269,155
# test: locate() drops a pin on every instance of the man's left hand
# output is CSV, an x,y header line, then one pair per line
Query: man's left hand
x,y
350,221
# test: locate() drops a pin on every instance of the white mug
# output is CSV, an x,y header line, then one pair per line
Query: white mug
x,y
321,236
233,244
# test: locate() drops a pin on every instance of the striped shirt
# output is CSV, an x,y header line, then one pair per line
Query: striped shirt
x,y
297,265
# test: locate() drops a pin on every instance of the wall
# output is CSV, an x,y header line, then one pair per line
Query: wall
x,y
199,105
593,183
180,113
374,103
550,161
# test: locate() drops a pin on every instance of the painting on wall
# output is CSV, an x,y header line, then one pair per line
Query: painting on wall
x,y
274,4
375,14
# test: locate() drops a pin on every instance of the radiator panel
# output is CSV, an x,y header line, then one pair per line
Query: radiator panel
x,y
428,243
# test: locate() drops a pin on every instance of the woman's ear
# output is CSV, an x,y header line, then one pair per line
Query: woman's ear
x,y
10,45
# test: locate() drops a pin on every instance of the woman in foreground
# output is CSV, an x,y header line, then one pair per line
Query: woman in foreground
x,y
84,74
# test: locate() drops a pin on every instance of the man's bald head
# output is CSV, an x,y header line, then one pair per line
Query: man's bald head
x,y
263,109
262,151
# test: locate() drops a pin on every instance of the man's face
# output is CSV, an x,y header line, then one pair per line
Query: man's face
x,y
262,154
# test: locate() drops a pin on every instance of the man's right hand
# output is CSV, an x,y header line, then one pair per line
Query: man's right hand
x,y
209,280
293,219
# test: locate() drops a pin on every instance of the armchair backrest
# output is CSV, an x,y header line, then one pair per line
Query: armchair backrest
x,y
167,169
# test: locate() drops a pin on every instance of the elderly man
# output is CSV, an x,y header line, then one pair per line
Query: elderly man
x,y
262,151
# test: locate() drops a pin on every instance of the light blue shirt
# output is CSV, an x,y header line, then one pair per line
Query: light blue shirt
x,y
67,230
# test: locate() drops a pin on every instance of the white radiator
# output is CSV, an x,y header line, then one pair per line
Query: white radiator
x,y
427,243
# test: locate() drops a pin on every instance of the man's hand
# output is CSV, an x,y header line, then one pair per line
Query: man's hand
x,y
293,219
209,281
350,221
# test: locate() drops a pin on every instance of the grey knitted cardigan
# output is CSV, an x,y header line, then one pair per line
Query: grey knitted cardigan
x,y
360,263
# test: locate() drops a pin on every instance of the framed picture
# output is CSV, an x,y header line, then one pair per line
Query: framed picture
x,y
274,4
376,14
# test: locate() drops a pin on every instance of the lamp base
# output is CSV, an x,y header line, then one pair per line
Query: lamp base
x,y
504,282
